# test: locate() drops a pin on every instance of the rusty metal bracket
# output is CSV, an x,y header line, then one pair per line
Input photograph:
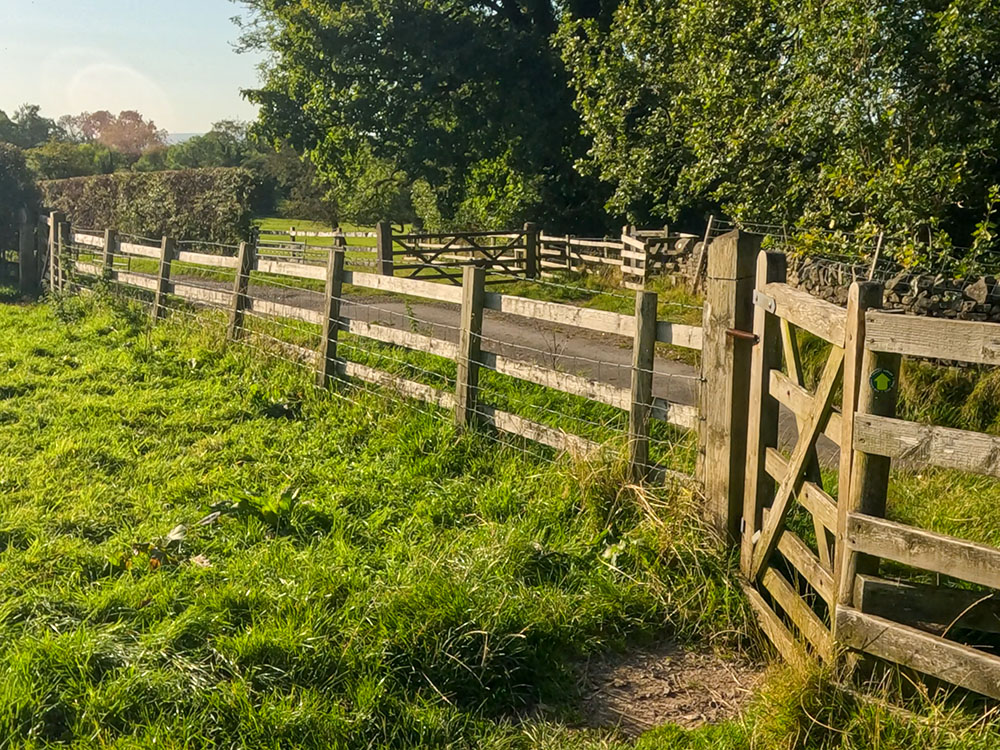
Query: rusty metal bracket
x,y
736,333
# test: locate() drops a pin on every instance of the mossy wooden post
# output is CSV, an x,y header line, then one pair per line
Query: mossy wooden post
x,y
469,344
531,250
643,357
55,219
864,481
725,378
328,366
246,259
110,248
762,420
64,233
27,264
167,250
383,238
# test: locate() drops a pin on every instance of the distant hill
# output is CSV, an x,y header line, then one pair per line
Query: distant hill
x,y
175,138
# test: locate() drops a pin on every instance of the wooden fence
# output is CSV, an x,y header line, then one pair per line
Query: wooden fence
x,y
817,584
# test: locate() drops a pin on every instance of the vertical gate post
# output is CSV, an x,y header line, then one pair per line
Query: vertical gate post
x,y
383,235
725,378
55,219
27,265
167,249
762,420
64,235
469,345
328,366
864,478
531,249
110,247
643,358
246,259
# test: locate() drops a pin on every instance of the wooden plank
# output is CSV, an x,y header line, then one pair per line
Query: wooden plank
x,y
88,239
682,415
470,334
812,497
936,338
775,630
819,317
409,287
539,433
800,402
634,242
928,444
570,315
937,609
135,279
206,259
807,564
794,478
927,550
286,268
594,390
641,396
144,251
214,297
89,269
949,661
678,334
762,414
807,622
240,301
402,386
279,310
399,337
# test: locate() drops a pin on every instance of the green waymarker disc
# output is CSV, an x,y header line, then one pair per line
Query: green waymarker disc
x,y
882,381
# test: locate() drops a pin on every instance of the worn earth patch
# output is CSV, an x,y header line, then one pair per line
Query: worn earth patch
x,y
640,690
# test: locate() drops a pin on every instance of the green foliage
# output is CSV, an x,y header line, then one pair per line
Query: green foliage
x,y
205,204
57,160
856,115
434,91
17,191
27,128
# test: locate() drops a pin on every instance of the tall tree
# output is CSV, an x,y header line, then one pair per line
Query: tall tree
x,y
128,132
441,92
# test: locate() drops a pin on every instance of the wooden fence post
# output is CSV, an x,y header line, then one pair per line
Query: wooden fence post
x,y
762,420
55,219
531,249
864,478
328,366
110,248
469,345
167,248
643,356
64,234
700,263
27,264
383,234
725,378
246,259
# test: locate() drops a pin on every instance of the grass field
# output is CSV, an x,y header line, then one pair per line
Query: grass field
x,y
371,578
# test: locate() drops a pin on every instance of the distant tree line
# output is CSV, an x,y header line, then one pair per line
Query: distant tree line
x,y
864,116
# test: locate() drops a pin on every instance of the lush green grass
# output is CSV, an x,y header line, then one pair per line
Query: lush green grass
x,y
374,579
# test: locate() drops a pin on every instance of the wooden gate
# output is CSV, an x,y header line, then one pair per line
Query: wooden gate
x,y
790,519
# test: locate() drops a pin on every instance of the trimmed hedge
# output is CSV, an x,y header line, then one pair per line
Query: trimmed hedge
x,y
190,204
17,191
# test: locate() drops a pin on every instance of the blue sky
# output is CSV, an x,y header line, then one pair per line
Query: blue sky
x,y
173,60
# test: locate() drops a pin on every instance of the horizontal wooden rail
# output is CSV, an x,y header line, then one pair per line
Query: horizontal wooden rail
x,y
819,317
205,259
927,550
216,297
88,239
935,338
143,251
937,609
287,268
916,443
946,660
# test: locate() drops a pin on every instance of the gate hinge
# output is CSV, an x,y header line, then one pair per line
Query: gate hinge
x,y
762,300
736,333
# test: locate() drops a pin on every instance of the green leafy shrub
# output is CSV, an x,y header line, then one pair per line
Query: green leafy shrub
x,y
17,190
204,204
